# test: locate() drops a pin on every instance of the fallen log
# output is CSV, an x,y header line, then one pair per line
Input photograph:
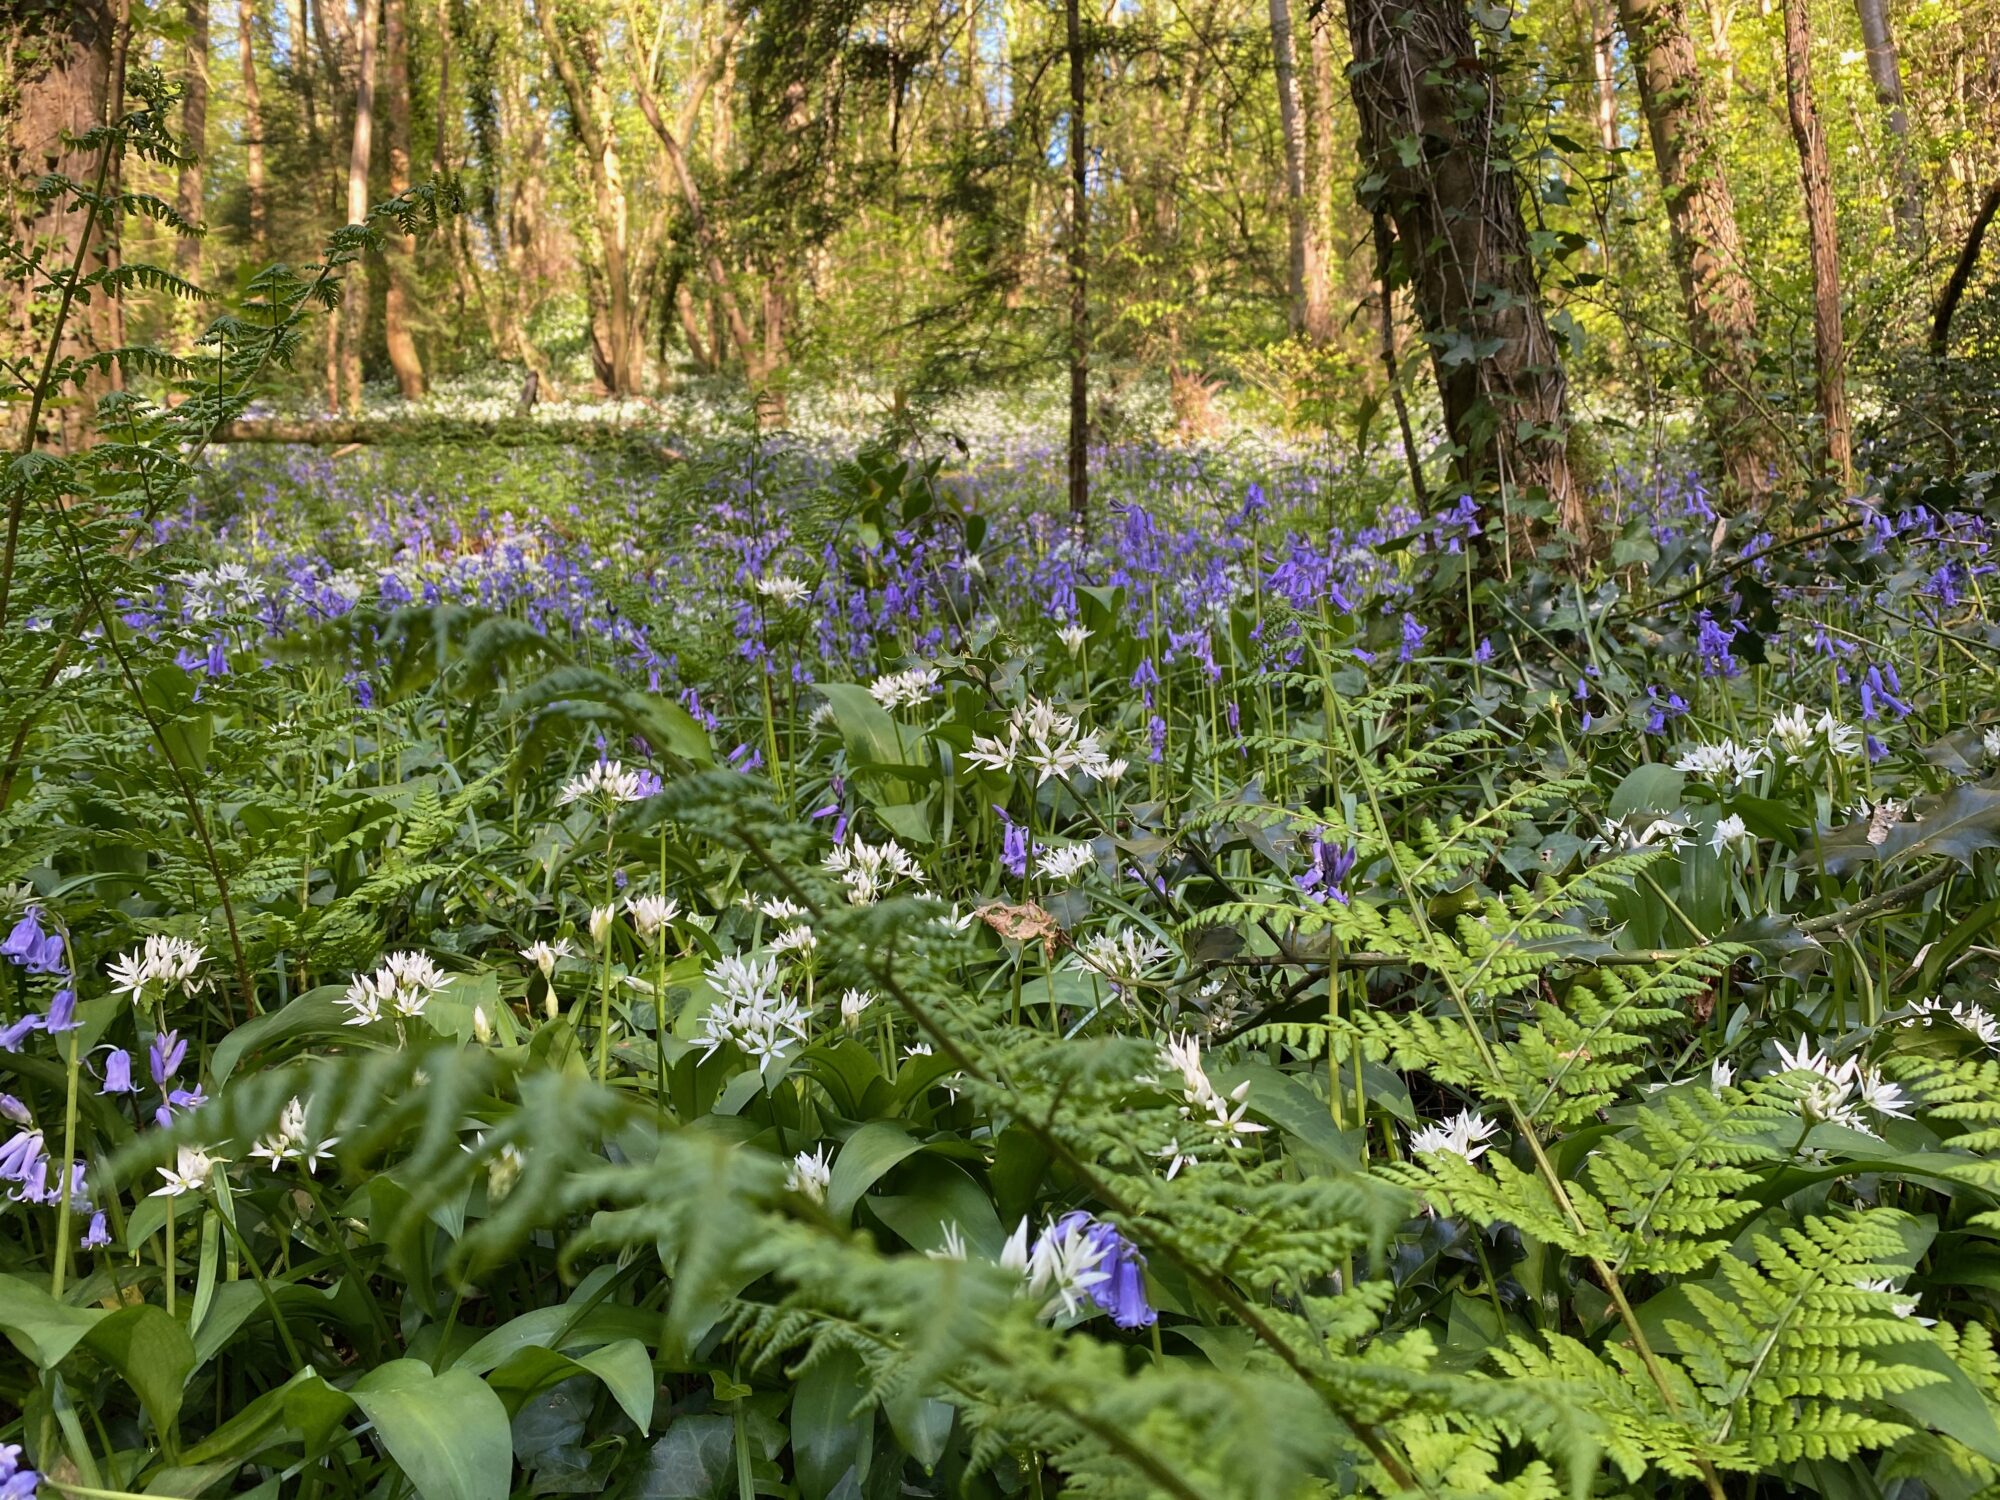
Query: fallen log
x,y
343,432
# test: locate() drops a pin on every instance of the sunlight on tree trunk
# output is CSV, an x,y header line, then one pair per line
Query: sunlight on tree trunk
x,y
253,123
401,248
354,307
1716,294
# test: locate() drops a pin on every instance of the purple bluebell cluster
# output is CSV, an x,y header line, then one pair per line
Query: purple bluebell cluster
x,y
1328,864
1121,1268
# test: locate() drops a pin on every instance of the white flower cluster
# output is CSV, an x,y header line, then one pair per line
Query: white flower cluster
x,y
1058,1270
1798,735
1969,1017
1465,1134
1123,956
904,689
1043,739
869,871
1836,1092
289,1142
158,968
189,1174
1065,862
783,589
751,1013
1220,1114
1724,760
811,1174
1794,733
651,914
606,781
401,988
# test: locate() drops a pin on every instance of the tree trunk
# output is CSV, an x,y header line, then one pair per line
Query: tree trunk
x,y
253,123
402,248
1320,113
617,356
354,304
1961,273
1816,177
1887,77
1598,16
1297,270
194,133
1418,81
1707,250
1079,286
54,85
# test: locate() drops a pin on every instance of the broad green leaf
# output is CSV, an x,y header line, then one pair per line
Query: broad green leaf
x,y
448,1433
862,1160
828,1436
151,1352
1651,788
313,1014
40,1327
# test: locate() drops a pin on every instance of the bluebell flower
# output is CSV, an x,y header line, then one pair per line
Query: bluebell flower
x,y
1484,653
118,1073
13,1109
62,1012
1120,1287
1712,643
19,1155
1156,734
165,1055
1882,688
35,950
1013,846
1661,710
96,1237
1413,638
1329,865
17,1032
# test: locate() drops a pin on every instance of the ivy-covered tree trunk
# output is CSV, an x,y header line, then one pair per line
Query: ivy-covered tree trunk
x,y
1816,178
55,77
403,356
1428,101
1707,249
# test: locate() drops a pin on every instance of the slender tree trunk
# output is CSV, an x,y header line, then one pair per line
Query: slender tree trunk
x,y
1392,365
1602,72
1961,273
1887,77
1419,82
1707,249
253,123
55,77
1816,177
441,148
194,131
113,308
1289,116
402,248
1321,112
1079,286
590,117
354,305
